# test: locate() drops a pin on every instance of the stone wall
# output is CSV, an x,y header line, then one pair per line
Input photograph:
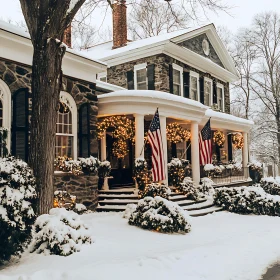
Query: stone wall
x,y
18,76
117,74
84,187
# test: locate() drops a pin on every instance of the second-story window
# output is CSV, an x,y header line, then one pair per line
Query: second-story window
x,y
194,86
220,97
177,79
140,76
208,90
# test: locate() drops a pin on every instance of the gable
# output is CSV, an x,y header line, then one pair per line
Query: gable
x,y
196,44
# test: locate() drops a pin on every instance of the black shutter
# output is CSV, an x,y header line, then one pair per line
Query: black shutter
x,y
170,78
201,87
186,83
229,147
215,100
189,151
151,76
218,153
173,150
20,125
84,131
130,79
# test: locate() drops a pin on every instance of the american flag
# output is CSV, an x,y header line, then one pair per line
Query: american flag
x,y
155,140
205,144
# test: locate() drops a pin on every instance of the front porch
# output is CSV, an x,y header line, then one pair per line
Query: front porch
x,y
139,106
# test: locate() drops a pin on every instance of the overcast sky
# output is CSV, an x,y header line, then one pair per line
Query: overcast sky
x,y
241,14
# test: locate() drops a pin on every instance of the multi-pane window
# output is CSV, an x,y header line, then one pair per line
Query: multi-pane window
x,y
194,92
176,82
1,112
207,92
141,79
64,132
220,97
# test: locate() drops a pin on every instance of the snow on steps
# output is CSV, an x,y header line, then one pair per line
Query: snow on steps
x,y
116,201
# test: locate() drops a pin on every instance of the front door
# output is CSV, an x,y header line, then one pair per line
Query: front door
x,y
122,169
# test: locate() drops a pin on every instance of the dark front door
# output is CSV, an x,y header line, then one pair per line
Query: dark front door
x,y
121,168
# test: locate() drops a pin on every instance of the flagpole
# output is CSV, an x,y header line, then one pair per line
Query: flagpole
x,y
147,137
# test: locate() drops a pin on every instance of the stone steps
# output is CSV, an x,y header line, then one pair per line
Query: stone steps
x,y
116,201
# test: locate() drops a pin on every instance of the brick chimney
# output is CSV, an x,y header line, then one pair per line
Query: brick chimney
x,y
119,24
67,37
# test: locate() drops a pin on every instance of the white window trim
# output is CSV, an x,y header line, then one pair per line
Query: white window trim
x,y
102,75
67,98
139,67
5,96
180,69
211,90
223,94
195,75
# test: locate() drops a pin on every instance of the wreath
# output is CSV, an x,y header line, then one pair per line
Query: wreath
x,y
175,133
237,141
219,138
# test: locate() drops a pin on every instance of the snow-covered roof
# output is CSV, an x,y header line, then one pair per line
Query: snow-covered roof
x,y
105,50
170,105
107,86
16,30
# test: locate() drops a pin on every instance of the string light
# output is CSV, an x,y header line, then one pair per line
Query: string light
x,y
175,133
237,141
219,138
62,199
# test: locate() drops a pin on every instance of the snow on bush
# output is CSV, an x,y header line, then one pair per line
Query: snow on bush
x,y
188,189
248,200
209,167
176,171
129,209
160,215
104,169
59,233
270,185
155,189
80,208
90,164
17,200
206,187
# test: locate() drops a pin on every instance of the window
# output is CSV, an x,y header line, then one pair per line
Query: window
x,y
194,86
102,76
140,76
177,80
208,89
66,127
220,97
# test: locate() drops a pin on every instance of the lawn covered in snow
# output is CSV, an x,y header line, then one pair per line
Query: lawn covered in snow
x,y
220,246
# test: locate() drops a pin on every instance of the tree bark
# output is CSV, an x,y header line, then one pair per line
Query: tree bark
x,y
46,85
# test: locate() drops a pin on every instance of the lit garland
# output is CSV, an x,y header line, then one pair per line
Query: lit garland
x,y
123,131
219,138
175,133
237,141
142,176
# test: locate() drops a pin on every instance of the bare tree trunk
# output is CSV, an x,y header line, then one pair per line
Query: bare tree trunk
x,y
46,84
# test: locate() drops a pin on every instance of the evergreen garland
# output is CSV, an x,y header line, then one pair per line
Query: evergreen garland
x,y
176,171
142,175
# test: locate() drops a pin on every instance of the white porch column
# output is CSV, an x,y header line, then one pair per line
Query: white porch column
x,y
164,143
103,147
195,153
139,135
245,152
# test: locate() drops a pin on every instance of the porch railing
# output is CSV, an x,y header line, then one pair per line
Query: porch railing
x,y
228,175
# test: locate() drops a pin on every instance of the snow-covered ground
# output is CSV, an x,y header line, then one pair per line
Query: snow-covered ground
x,y
220,246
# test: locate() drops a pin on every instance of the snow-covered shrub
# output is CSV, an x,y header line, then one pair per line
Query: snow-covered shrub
x,y
270,185
90,165
64,199
73,166
104,169
79,208
206,187
161,215
17,203
248,200
188,189
141,173
155,189
129,209
176,171
59,233
255,171
208,167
